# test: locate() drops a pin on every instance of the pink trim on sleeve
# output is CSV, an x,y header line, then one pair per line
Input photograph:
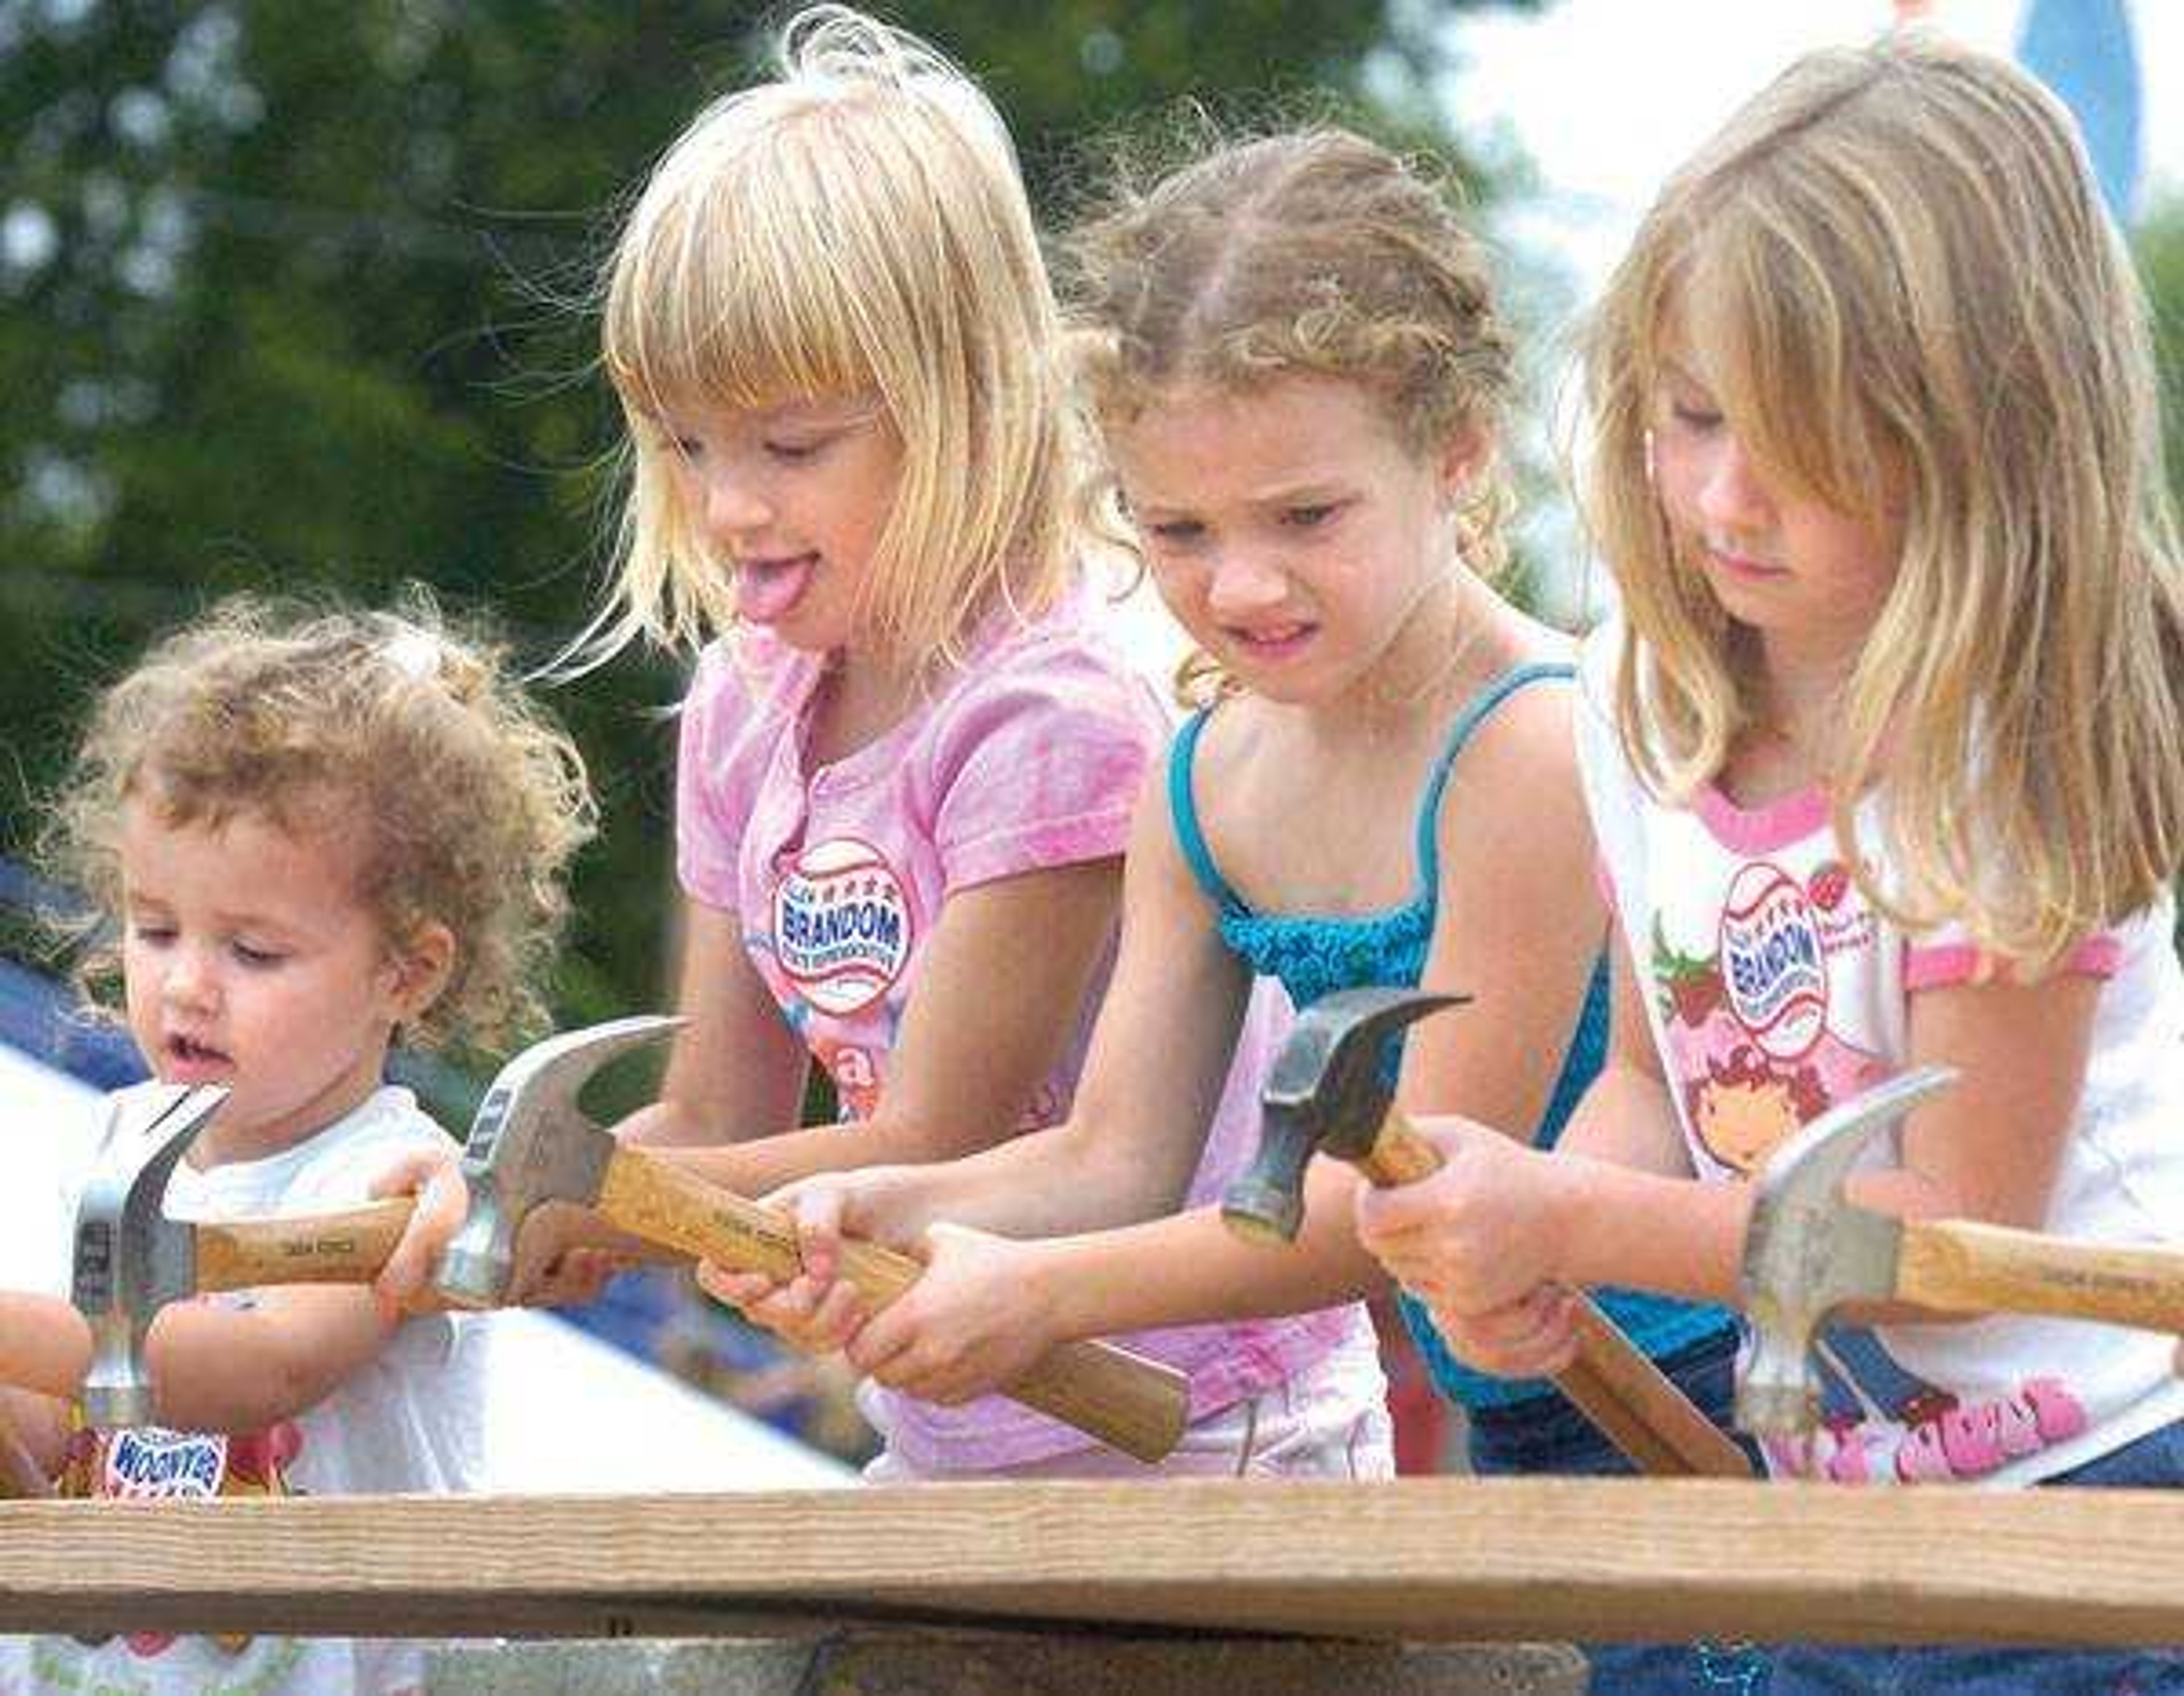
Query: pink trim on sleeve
x,y
1958,962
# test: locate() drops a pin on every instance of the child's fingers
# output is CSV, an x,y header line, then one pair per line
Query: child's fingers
x,y
577,1277
1533,1337
443,1203
818,1210
798,1312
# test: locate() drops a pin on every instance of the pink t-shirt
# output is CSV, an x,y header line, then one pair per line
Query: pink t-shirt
x,y
1032,755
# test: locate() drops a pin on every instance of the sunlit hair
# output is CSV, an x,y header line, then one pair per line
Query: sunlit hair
x,y
390,736
1317,252
1893,269
856,227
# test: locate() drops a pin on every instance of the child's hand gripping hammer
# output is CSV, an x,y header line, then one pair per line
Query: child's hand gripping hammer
x,y
530,1143
1327,1093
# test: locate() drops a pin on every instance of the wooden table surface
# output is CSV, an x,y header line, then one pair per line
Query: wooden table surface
x,y
1419,1560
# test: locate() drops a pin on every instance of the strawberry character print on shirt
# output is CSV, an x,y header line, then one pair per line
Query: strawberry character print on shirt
x,y
1756,1055
1775,988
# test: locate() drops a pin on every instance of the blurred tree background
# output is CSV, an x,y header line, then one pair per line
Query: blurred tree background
x,y
291,295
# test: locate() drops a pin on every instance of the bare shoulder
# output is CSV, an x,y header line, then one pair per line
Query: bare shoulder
x,y
1513,795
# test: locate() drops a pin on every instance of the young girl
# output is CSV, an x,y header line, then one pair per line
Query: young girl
x,y
1888,766
908,762
1299,375
306,835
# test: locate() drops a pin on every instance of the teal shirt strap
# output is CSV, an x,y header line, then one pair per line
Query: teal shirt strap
x,y
1475,714
1182,810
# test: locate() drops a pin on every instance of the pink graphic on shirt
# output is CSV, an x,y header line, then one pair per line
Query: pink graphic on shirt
x,y
841,925
1940,1439
857,1075
1743,1097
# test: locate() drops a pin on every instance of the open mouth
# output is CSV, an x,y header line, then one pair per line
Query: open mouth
x,y
768,590
190,1060
1272,641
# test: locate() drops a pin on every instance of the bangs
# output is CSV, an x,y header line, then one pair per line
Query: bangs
x,y
737,283
1759,315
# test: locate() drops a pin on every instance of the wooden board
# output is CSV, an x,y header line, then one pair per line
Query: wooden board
x,y
1500,1560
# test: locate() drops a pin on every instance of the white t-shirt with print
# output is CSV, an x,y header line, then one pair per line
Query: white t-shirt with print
x,y
1774,991
410,1420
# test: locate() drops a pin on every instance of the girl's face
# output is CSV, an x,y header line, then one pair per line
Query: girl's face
x,y
1289,528
250,960
792,499
1809,577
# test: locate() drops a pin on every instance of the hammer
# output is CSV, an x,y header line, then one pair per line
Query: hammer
x,y
1807,1250
131,1259
1328,1094
530,1143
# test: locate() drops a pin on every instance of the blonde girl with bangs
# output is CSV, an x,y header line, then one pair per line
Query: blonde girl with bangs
x,y
304,835
1885,757
909,751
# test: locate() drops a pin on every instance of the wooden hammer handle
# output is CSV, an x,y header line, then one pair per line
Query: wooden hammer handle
x,y
317,1248
1133,1404
1963,1266
1630,1399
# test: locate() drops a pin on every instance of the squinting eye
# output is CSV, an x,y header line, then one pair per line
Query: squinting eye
x,y
155,935
1179,534
250,956
1692,417
1309,518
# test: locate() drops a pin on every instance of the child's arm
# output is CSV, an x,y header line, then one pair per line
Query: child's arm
x,y
1152,1077
1001,987
1988,1146
1486,1241
737,1070
1518,923
213,1368
217,1368
1002,982
33,1442
1152,1080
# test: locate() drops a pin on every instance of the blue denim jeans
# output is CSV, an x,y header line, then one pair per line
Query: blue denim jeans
x,y
2155,1461
1547,1434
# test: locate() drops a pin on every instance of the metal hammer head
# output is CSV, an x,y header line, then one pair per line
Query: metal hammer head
x,y
130,1258
529,1143
1807,1250
1326,1091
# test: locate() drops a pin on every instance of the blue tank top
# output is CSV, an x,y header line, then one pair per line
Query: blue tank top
x,y
1313,956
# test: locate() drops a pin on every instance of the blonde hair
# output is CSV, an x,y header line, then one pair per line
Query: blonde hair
x,y
1313,251
859,223
464,802
1897,262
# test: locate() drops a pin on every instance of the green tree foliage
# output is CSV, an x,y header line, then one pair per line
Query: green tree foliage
x,y
292,295
2159,242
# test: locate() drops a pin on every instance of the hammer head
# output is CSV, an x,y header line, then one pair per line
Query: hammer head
x,y
1326,1091
130,1258
1807,1250
530,1143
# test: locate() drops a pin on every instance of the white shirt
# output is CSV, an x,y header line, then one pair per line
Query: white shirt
x,y
408,1420
1774,991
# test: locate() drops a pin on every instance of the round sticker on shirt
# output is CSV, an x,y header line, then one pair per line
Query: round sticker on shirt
x,y
841,925
1772,963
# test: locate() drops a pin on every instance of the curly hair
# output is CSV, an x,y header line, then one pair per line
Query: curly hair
x,y
1312,251
463,801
